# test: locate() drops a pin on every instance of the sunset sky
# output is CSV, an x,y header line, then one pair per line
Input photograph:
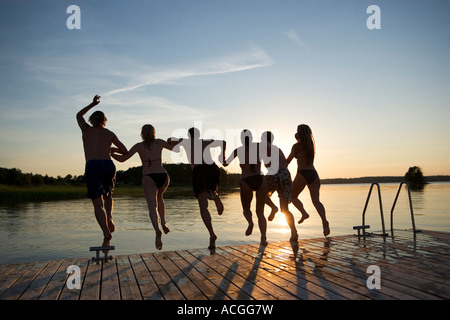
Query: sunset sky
x,y
376,100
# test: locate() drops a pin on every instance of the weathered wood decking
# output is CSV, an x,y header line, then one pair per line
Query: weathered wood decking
x,y
333,268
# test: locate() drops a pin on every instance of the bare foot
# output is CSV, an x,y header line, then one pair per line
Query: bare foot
x,y
264,241
304,217
249,229
165,228
158,241
212,242
326,228
272,214
106,241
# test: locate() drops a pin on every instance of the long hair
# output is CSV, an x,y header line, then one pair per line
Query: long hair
x,y
148,135
306,139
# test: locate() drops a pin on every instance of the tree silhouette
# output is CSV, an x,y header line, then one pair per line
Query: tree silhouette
x,y
415,178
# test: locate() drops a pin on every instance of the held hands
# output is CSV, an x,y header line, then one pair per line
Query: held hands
x,y
114,150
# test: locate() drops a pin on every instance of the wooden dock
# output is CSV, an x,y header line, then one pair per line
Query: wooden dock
x,y
334,268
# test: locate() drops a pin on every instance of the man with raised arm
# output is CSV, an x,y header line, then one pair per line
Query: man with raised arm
x,y
100,171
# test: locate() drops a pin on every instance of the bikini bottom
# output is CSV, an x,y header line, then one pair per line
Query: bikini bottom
x,y
310,175
159,178
254,182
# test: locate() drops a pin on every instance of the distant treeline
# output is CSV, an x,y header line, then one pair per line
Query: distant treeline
x,y
15,177
180,175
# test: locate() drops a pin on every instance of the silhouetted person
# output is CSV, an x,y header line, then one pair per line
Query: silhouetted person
x,y
205,174
251,180
100,171
278,179
304,151
155,178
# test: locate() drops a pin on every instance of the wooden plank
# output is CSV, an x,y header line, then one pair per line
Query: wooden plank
x,y
296,271
407,271
147,285
391,286
166,287
330,271
183,283
293,280
272,282
218,276
74,294
56,284
129,288
254,275
92,282
23,281
110,289
233,272
225,287
198,279
38,285
11,274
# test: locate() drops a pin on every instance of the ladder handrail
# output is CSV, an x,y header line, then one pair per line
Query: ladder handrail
x,y
381,207
410,208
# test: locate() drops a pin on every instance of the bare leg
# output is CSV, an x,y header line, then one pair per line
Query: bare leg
x,y
246,200
100,215
261,195
150,191
162,206
109,204
218,202
298,185
314,189
289,218
272,206
206,217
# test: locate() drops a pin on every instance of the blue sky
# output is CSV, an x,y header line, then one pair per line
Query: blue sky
x,y
376,100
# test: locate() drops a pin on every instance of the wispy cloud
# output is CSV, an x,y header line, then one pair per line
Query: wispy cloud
x,y
293,35
256,58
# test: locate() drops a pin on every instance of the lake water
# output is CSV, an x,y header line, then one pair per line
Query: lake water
x,y
66,229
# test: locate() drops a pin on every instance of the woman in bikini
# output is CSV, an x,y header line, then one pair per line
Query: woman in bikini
x,y
304,151
155,179
251,180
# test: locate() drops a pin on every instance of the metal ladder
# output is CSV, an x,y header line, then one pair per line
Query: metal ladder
x,y
410,209
363,227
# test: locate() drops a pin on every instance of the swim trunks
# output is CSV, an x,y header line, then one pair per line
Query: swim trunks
x,y
159,178
254,182
100,178
205,177
280,182
310,175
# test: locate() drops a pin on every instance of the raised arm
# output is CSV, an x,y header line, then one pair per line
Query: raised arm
x,y
81,122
